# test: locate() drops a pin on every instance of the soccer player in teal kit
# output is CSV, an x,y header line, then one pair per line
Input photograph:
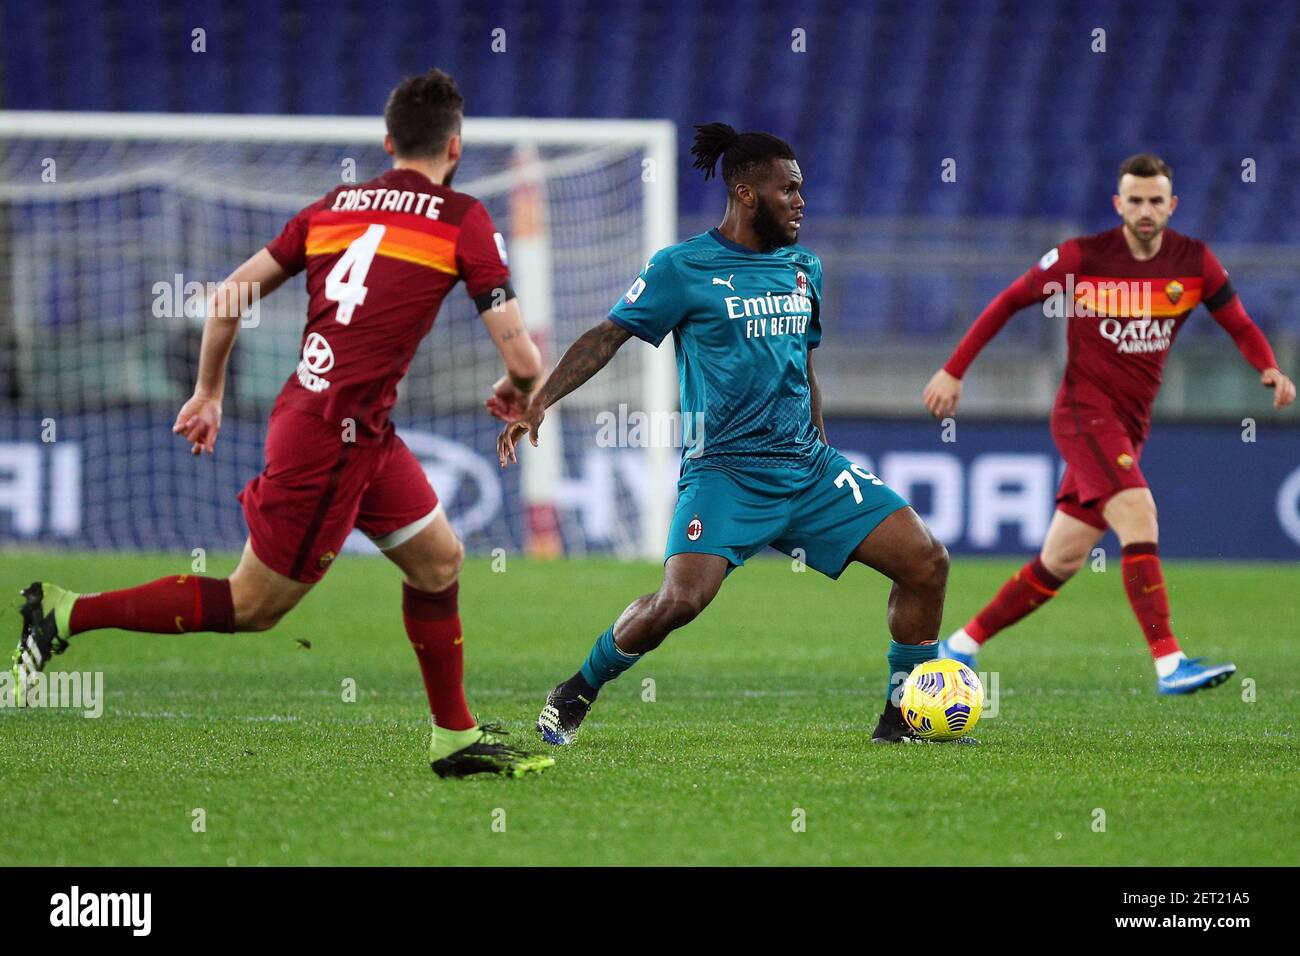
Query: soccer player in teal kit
x,y
742,302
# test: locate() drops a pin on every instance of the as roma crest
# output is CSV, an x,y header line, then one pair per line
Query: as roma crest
x,y
1174,291
1125,460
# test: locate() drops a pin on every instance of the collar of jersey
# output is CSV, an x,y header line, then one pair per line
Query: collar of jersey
x,y
406,171
726,243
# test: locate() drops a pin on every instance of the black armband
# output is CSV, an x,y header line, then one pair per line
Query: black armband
x,y
497,295
1222,297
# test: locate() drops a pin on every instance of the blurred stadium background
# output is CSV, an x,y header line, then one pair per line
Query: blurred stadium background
x,y
878,98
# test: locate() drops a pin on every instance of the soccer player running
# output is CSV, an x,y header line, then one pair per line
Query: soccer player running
x,y
1132,288
380,258
743,303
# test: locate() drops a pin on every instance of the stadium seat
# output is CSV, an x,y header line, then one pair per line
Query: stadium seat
x,y
882,95
27,74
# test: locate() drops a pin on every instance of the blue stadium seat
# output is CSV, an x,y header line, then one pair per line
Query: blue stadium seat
x,y
84,65
260,55
143,63
27,61
317,48
1012,91
199,77
875,307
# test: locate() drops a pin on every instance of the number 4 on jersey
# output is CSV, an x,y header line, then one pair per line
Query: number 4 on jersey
x,y
350,292
862,473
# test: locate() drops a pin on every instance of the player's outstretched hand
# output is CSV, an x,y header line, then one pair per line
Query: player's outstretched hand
x,y
941,395
507,402
198,422
1283,388
510,435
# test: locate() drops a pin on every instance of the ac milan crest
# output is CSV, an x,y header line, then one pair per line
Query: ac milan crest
x,y
694,529
801,283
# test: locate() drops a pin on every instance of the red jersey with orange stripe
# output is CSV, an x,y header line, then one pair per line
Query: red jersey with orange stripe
x,y
1123,315
380,258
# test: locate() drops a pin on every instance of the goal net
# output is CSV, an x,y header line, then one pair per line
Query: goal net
x,y
113,227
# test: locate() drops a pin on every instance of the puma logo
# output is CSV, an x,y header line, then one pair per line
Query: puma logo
x,y
180,624
726,281
459,640
1153,587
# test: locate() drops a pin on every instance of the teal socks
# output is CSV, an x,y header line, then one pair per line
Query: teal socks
x,y
902,659
606,661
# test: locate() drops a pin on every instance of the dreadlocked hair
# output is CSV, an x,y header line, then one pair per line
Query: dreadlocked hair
x,y
742,154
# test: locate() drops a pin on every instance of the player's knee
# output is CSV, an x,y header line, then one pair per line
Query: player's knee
x,y
930,571
1064,565
440,570
258,616
446,566
1138,525
1151,523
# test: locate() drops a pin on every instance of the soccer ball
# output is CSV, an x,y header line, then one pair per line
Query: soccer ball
x,y
942,700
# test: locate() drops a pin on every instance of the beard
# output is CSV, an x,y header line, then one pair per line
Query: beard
x,y
771,232
1136,228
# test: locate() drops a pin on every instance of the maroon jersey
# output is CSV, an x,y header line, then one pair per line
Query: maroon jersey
x,y
380,258
1124,315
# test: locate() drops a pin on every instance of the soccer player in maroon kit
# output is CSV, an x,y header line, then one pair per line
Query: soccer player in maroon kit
x,y
380,257
1129,291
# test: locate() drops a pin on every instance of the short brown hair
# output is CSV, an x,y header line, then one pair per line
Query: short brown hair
x,y
423,113
1145,165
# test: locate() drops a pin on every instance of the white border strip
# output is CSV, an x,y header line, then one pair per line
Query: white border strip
x,y
38,124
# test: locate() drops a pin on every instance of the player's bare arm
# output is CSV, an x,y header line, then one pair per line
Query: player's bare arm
x,y
815,392
584,358
199,419
523,360
1227,310
942,393
1281,384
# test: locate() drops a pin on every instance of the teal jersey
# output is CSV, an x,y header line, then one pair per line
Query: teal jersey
x,y
742,323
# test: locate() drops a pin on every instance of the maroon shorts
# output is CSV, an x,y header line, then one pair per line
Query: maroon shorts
x,y
316,488
1099,463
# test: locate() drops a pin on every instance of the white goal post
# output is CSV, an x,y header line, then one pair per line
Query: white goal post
x,y
92,201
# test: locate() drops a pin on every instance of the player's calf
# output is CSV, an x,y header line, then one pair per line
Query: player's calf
x,y
1028,589
644,625
261,608
650,619
257,618
690,582
1070,539
260,597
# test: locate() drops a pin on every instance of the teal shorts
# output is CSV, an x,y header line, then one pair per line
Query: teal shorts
x,y
818,510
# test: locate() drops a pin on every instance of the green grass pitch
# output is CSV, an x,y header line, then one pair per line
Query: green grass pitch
x,y
761,709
